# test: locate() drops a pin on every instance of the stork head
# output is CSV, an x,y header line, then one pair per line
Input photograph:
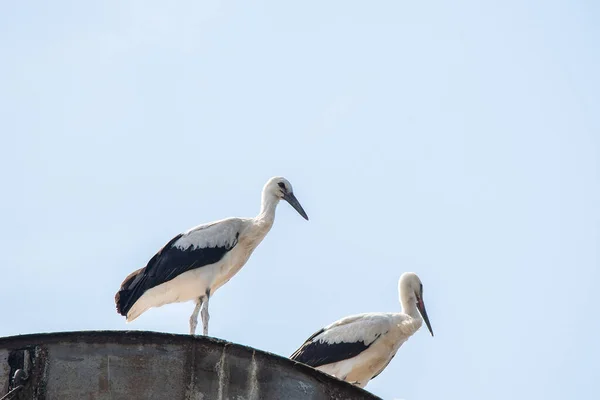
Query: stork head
x,y
281,189
411,293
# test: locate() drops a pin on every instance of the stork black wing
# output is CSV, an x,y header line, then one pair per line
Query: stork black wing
x,y
318,352
168,263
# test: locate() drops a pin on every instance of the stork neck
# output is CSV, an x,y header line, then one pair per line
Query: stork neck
x,y
409,306
267,208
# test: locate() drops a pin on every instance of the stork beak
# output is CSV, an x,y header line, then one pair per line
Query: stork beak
x,y
290,198
423,311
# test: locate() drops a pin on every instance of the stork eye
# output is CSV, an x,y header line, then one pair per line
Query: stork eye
x,y
281,185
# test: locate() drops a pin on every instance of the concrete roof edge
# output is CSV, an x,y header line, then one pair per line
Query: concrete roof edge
x,y
149,337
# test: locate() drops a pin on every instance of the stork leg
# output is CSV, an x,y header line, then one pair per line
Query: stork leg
x,y
194,316
205,316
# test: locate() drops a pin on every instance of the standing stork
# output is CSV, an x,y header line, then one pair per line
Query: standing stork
x,y
357,348
194,264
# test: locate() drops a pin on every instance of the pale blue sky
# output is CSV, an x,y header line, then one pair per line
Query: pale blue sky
x,y
459,140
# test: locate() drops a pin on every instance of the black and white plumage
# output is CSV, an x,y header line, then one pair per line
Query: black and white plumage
x,y
357,348
194,264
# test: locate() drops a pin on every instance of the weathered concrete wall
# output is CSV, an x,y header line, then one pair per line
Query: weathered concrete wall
x,y
135,365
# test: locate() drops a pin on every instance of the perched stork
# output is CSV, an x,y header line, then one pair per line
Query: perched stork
x,y
194,264
357,348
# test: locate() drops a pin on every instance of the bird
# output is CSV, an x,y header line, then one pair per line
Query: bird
x,y
194,264
359,347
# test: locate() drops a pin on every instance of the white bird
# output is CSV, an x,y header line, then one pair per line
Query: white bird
x,y
194,264
357,348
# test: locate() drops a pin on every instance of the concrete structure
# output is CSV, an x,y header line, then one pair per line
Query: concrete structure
x,y
133,365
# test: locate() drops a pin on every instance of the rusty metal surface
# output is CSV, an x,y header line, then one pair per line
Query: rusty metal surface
x,y
114,365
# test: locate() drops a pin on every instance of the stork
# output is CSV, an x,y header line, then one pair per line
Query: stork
x,y
358,348
194,264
